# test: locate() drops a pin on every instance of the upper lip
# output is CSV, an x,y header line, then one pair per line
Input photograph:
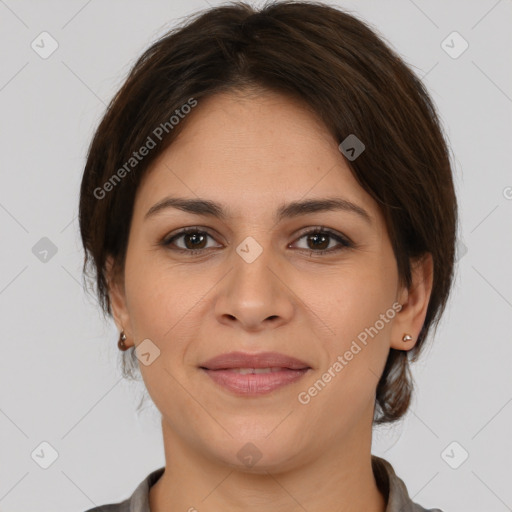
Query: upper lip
x,y
259,360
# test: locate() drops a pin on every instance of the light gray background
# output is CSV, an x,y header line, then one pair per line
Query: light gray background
x,y
60,381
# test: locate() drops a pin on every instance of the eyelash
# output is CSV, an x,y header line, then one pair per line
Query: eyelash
x,y
320,230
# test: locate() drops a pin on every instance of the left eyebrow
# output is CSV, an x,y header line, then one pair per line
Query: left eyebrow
x,y
209,208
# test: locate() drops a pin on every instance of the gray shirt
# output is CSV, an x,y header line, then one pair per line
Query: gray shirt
x,y
391,486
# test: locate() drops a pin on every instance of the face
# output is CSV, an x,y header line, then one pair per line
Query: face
x,y
319,285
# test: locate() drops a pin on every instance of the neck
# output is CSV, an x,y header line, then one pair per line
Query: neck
x,y
340,479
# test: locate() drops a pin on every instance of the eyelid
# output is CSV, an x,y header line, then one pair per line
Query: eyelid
x,y
166,241
343,241
323,229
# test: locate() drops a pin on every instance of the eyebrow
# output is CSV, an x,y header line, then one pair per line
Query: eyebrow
x,y
286,211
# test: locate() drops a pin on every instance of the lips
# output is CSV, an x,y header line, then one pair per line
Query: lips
x,y
244,361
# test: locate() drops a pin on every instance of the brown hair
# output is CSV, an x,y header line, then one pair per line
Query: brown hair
x,y
342,70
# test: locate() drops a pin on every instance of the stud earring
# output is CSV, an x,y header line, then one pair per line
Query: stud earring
x,y
120,343
407,337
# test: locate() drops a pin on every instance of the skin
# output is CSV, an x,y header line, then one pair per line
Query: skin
x,y
253,153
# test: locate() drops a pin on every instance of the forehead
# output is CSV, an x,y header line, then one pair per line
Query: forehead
x,y
251,152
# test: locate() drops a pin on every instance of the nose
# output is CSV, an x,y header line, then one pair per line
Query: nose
x,y
254,294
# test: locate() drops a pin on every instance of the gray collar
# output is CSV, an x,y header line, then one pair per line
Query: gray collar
x,y
390,485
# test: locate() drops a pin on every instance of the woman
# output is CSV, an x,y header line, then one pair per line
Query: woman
x,y
269,212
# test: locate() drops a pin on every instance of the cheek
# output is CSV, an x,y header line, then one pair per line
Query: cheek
x,y
148,292
165,304
356,315
352,298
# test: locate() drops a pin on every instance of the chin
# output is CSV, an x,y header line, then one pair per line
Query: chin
x,y
267,454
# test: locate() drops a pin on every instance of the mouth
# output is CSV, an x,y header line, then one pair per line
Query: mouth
x,y
263,360
254,381
254,374
246,371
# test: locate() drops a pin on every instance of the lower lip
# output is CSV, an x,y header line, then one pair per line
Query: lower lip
x,y
254,384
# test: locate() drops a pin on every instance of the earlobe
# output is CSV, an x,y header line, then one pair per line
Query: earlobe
x,y
116,292
409,320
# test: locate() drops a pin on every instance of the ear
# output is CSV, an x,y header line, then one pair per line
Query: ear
x,y
117,296
410,319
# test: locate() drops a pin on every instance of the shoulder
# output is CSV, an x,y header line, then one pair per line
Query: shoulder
x,y
122,506
418,508
394,488
138,501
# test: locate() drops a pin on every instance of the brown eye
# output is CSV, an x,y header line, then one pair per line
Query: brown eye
x,y
318,241
194,241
